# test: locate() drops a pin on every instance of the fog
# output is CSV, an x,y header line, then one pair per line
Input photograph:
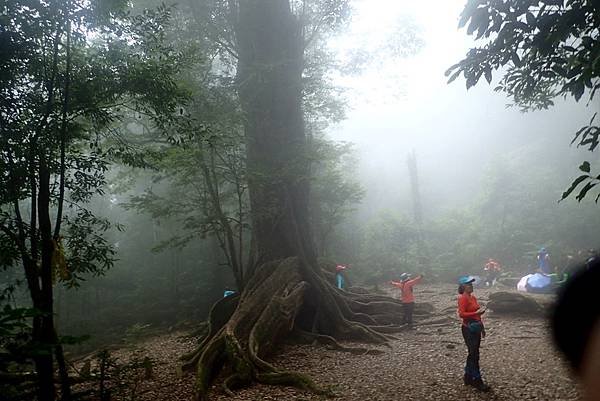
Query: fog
x,y
408,105
213,175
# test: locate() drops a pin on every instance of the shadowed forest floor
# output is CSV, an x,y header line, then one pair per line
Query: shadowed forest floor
x,y
517,360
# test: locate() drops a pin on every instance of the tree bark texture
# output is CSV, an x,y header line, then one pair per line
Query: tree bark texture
x,y
270,51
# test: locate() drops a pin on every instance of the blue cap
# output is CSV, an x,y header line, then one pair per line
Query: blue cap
x,y
465,280
404,276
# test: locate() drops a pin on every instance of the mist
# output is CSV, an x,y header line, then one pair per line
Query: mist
x,y
456,133
291,199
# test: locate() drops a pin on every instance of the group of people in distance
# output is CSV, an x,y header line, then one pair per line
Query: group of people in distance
x,y
575,322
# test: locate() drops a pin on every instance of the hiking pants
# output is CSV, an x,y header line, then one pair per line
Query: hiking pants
x,y
339,281
472,340
408,307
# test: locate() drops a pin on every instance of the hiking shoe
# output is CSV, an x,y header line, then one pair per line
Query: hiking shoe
x,y
480,385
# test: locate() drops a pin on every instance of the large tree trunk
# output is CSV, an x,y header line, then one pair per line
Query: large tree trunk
x,y
288,291
270,50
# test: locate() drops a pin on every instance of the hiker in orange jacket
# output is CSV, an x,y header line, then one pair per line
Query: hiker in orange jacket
x,y
408,298
491,270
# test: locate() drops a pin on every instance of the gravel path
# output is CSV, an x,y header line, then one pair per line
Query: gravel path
x,y
517,360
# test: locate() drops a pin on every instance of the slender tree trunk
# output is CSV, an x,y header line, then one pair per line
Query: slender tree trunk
x,y
414,184
45,302
270,65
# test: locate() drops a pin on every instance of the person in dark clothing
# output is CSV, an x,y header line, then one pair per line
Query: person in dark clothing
x,y
473,331
575,322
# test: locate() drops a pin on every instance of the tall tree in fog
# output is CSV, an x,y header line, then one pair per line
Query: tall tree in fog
x,y
215,26
270,63
269,40
411,161
548,49
62,94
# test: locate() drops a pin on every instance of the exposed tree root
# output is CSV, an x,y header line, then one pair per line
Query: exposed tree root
x,y
444,321
219,314
292,379
282,297
332,343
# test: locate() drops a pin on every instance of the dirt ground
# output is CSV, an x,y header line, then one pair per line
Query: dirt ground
x,y
426,363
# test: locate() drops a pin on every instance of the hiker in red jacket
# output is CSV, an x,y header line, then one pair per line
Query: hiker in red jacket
x,y
408,299
472,330
491,271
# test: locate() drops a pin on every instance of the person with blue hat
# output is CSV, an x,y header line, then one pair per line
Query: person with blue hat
x,y
408,298
472,331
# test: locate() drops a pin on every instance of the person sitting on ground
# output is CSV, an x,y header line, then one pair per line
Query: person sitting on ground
x,y
492,271
575,323
473,331
339,276
408,298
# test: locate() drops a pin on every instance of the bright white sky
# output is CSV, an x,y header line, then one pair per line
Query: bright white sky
x,y
400,105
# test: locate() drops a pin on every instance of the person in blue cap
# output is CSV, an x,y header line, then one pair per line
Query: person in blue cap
x,y
406,285
472,331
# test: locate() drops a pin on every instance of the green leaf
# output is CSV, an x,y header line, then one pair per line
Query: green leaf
x,y
585,167
515,59
454,76
574,185
467,13
559,70
452,68
577,90
584,191
530,18
487,71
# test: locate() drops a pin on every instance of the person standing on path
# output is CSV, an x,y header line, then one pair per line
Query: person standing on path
x,y
339,276
408,298
472,331
543,261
